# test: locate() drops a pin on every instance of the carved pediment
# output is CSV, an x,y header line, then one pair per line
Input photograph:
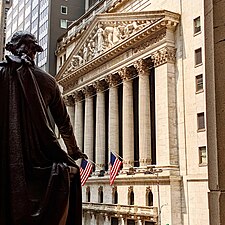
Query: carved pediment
x,y
111,33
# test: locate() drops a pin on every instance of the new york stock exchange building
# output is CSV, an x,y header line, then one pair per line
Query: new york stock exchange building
x,y
132,75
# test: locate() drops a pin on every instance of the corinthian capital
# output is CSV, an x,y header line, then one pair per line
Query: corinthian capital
x,y
126,73
142,66
78,96
164,55
69,100
88,91
100,85
113,79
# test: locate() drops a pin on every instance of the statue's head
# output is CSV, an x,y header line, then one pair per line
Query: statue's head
x,y
23,42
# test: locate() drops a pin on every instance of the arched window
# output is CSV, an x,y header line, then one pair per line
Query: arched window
x,y
100,194
149,197
130,196
88,194
114,195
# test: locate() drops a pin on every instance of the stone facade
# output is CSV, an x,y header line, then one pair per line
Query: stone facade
x,y
132,77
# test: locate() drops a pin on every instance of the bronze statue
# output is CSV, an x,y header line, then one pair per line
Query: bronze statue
x,y
35,187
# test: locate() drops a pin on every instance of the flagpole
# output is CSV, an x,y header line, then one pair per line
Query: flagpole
x,y
121,158
94,164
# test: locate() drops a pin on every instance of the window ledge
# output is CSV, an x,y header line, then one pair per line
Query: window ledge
x,y
201,130
198,65
200,91
203,165
197,33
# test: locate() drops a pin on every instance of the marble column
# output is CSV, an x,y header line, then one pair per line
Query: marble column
x,y
142,67
128,118
100,125
113,81
89,122
165,108
69,101
78,124
121,221
107,220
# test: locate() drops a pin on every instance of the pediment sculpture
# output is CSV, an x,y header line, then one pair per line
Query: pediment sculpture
x,y
104,36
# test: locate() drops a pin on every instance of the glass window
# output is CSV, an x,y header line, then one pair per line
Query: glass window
x,y
63,9
198,56
201,121
197,25
149,198
92,2
199,83
131,198
100,194
63,24
114,221
202,155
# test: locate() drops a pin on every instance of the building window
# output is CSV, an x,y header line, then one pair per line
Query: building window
x,y
100,194
202,155
114,195
88,194
131,222
198,56
64,10
197,25
114,221
63,24
130,196
199,83
64,58
149,197
92,2
201,121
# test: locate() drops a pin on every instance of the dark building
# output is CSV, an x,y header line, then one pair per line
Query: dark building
x,y
47,20
4,8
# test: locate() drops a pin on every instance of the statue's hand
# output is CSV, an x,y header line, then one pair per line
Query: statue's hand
x,y
79,155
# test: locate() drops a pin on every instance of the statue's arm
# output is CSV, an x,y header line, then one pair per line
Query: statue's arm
x,y
62,120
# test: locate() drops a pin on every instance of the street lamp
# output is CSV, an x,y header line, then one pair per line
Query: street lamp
x,y
153,170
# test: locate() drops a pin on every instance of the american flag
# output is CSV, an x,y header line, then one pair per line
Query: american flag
x,y
85,171
115,164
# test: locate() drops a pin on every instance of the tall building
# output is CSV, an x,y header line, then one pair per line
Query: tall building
x,y
47,20
134,83
4,8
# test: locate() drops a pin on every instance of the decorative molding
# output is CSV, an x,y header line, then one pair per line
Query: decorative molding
x,y
146,44
164,55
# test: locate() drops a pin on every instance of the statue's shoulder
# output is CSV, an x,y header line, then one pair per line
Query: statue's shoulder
x,y
3,64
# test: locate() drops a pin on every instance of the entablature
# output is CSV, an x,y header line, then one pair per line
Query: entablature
x,y
120,36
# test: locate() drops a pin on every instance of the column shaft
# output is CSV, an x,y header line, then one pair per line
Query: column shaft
x,y
144,121
78,125
113,120
89,128
128,125
100,131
